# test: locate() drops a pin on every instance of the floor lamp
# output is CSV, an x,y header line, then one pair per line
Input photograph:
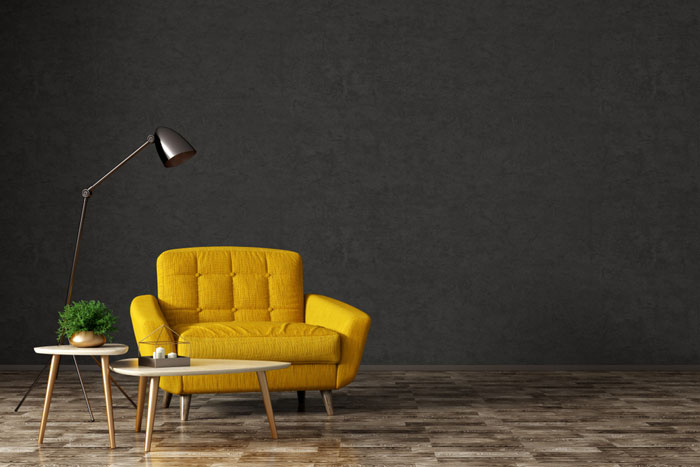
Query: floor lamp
x,y
173,150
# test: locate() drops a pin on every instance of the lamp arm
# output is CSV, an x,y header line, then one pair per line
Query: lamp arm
x,y
149,140
87,193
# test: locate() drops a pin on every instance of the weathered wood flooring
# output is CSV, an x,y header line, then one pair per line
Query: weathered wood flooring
x,y
397,418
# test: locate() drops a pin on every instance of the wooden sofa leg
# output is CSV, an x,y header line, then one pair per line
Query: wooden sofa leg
x,y
185,406
327,401
167,397
301,399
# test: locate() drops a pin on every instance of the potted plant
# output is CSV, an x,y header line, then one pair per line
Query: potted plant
x,y
86,323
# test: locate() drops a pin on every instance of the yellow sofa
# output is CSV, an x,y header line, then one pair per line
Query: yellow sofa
x,y
249,303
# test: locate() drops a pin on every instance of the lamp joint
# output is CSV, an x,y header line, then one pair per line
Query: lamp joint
x,y
86,193
150,139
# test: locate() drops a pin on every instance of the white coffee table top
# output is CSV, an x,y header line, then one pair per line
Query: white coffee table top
x,y
106,349
198,366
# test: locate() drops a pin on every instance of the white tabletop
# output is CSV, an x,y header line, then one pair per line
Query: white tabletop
x,y
106,349
198,366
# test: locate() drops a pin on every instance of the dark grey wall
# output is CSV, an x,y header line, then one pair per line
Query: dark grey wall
x,y
493,182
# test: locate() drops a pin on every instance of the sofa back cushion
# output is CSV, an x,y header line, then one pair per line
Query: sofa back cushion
x,y
209,284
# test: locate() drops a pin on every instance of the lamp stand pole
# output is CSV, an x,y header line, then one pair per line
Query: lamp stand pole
x,y
87,193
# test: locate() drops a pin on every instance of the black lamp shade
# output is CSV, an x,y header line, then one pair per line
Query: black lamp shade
x,y
172,148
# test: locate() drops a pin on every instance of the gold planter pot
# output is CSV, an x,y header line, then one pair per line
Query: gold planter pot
x,y
87,339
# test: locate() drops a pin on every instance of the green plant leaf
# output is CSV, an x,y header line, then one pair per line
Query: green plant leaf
x,y
85,315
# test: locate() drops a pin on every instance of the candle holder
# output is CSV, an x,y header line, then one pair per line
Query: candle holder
x,y
171,345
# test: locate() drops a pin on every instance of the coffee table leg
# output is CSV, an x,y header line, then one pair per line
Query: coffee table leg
x,y
140,402
107,383
55,359
152,401
262,379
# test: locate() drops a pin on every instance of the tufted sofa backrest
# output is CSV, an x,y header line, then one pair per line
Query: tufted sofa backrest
x,y
206,284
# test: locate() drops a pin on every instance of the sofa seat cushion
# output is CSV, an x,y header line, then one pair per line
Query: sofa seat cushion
x,y
260,340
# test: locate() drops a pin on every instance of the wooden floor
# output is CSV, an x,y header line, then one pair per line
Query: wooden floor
x,y
383,418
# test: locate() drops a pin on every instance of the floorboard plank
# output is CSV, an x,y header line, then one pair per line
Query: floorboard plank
x,y
495,418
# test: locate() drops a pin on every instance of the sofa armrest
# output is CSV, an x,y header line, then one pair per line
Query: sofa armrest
x,y
352,325
146,317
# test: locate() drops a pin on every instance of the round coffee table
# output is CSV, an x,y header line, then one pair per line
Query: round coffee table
x,y
198,366
103,352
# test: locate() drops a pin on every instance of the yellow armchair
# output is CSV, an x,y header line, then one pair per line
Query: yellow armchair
x,y
249,303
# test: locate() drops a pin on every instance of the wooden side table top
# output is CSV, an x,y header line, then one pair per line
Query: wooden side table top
x,y
198,366
106,349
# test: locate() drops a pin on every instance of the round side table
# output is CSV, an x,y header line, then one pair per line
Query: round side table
x,y
103,352
198,366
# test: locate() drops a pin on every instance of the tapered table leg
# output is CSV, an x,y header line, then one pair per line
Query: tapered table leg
x,y
262,379
53,371
107,383
152,401
185,400
114,381
140,402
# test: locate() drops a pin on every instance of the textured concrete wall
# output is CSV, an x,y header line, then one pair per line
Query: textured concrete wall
x,y
494,182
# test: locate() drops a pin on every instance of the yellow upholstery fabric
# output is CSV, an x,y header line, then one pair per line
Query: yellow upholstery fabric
x,y
350,323
249,303
210,284
146,317
295,378
256,340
